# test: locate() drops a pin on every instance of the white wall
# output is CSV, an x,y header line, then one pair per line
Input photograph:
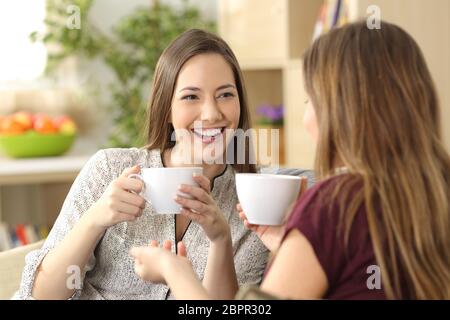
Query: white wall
x,y
429,24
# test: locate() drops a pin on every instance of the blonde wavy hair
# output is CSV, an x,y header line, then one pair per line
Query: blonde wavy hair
x,y
378,115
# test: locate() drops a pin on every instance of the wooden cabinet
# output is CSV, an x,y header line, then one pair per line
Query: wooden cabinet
x,y
268,38
266,33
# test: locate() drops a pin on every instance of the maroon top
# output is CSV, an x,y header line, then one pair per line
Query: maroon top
x,y
346,268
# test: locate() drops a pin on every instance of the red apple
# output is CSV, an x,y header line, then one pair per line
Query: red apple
x,y
44,124
24,118
65,125
36,116
9,125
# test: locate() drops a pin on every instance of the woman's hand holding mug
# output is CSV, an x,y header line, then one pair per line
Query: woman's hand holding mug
x,y
271,236
120,202
202,209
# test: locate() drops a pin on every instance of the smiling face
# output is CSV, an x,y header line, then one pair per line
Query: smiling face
x,y
205,104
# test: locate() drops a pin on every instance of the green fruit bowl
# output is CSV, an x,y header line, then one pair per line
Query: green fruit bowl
x,y
32,144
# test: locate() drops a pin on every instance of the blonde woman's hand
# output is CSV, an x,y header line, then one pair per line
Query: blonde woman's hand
x,y
150,263
203,209
271,236
120,202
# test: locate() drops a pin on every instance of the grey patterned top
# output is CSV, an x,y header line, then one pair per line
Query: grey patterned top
x,y
110,270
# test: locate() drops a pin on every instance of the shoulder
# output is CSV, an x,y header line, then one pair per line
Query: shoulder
x,y
127,156
318,210
329,193
320,217
115,160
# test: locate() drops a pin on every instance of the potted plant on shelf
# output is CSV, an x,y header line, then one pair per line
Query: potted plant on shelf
x,y
271,117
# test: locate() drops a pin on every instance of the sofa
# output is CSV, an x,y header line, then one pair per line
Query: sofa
x,y
11,266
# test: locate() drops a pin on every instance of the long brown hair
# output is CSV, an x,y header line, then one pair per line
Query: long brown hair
x,y
189,44
378,115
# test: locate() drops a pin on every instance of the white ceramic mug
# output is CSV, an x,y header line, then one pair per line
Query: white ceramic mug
x,y
265,197
161,185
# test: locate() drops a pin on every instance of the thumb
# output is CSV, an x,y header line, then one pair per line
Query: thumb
x,y
128,171
136,252
181,248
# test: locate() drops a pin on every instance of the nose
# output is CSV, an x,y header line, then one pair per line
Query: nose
x,y
210,111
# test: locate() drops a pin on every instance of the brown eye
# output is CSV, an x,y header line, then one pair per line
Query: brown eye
x,y
226,95
190,97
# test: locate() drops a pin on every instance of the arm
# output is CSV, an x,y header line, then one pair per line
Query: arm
x,y
183,282
114,206
84,192
220,276
74,250
87,212
219,279
296,260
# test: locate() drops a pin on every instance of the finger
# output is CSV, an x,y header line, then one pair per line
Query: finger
x,y
239,207
167,245
154,243
131,170
130,184
181,249
125,217
131,198
196,192
203,182
192,215
139,269
250,226
196,205
303,186
242,216
126,208
137,261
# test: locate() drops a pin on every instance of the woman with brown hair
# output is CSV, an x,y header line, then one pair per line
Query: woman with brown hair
x,y
377,225
198,90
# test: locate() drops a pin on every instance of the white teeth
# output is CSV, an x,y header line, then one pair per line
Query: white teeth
x,y
208,132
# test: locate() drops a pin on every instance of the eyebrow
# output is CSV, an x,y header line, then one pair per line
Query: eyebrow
x,y
225,86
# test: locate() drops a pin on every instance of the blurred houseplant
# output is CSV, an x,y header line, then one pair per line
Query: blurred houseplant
x,y
271,117
131,52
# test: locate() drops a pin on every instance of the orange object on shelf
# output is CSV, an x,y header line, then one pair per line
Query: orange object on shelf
x,y
21,234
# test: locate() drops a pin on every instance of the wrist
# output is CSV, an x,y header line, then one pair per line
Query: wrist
x,y
90,223
222,240
170,266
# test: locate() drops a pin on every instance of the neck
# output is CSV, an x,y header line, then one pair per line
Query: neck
x,y
210,171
